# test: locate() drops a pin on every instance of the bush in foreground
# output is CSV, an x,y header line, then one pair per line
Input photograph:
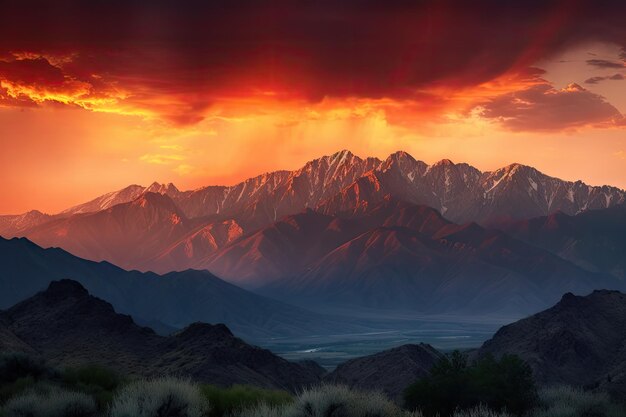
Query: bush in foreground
x,y
224,401
94,380
164,397
574,402
329,401
20,372
14,366
52,402
501,385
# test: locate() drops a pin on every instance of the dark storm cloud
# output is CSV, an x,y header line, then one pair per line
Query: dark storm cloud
x,y
543,108
198,51
31,71
603,63
596,80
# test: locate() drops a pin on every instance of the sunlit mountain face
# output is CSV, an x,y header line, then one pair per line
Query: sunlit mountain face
x,y
95,96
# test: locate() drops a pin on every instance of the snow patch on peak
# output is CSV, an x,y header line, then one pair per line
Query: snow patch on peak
x,y
342,156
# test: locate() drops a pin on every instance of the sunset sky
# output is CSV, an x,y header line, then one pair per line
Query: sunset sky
x,y
97,95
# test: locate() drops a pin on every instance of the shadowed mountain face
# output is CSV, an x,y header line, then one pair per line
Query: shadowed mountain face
x,y
288,247
581,341
193,229
594,240
416,260
67,326
390,371
392,255
9,342
174,300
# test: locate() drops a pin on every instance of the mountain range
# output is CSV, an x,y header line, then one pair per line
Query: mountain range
x,y
343,182
363,233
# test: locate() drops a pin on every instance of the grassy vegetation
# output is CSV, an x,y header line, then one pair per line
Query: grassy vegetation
x,y
330,401
487,388
573,402
50,401
166,397
225,401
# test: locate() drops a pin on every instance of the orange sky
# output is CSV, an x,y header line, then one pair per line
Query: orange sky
x,y
75,124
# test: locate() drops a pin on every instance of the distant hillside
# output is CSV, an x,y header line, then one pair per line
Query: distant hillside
x,y
176,299
390,371
67,326
397,255
581,341
594,240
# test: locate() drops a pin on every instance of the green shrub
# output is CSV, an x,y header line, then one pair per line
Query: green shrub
x,y
574,402
165,397
454,385
51,403
91,375
226,400
94,380
329,401
16,365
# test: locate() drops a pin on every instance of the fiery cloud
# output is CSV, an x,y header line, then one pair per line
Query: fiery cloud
x,y
211,92
543,107
179,64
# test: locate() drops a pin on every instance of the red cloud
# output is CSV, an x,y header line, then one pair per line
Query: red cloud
x,y
542,107
174,61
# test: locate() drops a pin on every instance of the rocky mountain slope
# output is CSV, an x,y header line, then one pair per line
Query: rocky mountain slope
x,y
9,342
402,256
289,246
174,300
67,326
124,234
390,371
389,255
345,183
580,341
16,225
593,240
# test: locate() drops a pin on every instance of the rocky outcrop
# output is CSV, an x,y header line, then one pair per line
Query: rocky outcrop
x,y
581,341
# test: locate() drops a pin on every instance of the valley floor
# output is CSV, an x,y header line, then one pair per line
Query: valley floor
x,y
445,333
